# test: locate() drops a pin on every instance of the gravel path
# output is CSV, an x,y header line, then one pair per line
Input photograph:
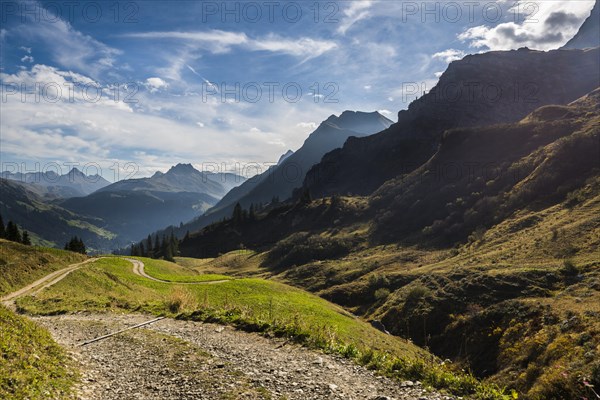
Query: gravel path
x,y
173,359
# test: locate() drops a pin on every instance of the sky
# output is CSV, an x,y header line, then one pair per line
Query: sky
x,y
131,87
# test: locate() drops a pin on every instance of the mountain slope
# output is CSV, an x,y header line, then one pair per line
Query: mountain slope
x,y
280,180
487,253
482,89
331,134
478,177
50,224
51,185
588,35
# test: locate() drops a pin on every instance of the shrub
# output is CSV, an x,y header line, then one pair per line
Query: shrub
x,y
569,268
382,294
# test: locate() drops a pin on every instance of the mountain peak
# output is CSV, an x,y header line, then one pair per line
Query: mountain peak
x,y
182,168
75,171
358,121
284,156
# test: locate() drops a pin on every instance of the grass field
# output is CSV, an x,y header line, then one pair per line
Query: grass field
x,y
32,365
171,272
21,265
109,284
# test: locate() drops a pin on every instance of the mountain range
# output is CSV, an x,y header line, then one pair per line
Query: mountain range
x,y
51,185
108,216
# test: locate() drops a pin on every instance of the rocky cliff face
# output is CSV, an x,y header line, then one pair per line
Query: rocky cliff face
x,y
482,89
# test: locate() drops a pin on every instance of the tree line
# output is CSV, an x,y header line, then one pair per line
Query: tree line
x,y
11,232
166,248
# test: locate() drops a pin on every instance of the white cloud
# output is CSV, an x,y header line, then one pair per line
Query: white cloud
x,y
356,11
155,84
367,87
26,49
28,59
200,124
218,41
214,40
547,25
385,112
449,55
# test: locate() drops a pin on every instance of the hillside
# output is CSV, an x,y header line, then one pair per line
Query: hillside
x,y
173,347
279,181
50,224
441,254
481,89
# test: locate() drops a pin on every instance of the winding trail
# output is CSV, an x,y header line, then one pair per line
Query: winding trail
x,y
42,283
138,269
187,360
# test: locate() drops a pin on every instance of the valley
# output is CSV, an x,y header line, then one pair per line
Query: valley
x,y
443,244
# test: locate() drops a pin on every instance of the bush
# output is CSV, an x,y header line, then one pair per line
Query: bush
x,y
301,248
382,294
569,268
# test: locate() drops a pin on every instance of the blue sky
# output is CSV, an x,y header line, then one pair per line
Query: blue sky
x,y
229,84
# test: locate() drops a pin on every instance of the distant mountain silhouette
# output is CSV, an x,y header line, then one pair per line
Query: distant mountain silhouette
x,y
588,35
181,178
51,185
134,207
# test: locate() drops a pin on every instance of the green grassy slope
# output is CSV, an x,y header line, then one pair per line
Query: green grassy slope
x,y
21,265
32,365
251,304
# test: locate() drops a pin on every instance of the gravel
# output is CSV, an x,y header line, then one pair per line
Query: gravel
x,y
173,359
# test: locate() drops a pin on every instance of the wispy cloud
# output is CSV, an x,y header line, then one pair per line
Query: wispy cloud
x,y
68,47
354,12
219,41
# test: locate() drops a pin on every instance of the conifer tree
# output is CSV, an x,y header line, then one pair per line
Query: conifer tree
x,y
149,246
26,240
238,214
12,232
2,229
156,248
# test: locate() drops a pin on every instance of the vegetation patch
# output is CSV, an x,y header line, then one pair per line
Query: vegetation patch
x,y
21,265
32,365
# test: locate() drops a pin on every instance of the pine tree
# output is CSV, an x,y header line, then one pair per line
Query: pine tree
x,y
174,242
142,250
81,247
305,198
26,240
187,236
149,246
2,229
12,232
238,214
156,249
76,245
251,213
